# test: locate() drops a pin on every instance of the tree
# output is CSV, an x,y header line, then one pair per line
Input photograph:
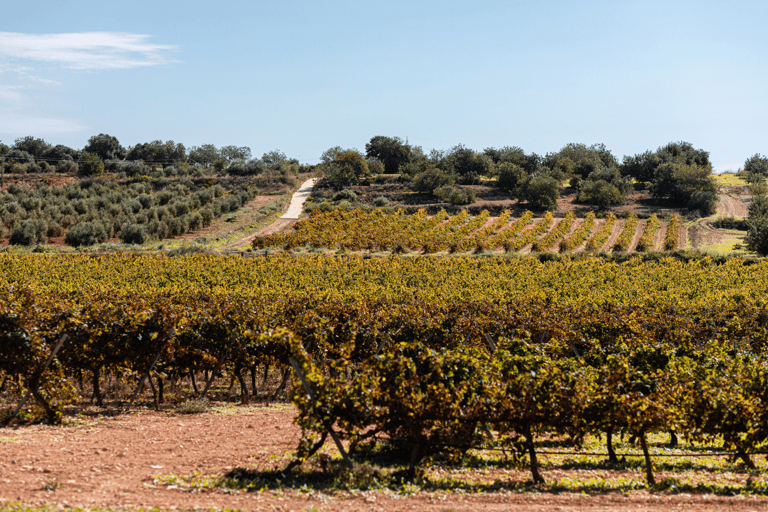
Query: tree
x,y
391,151
105,147
59,152
687,185
514,155
205,155
511,176
90,164
576,153
33,146
157,151
542,191
19,155
467,165
756,168
326,159
232,153
346,167
587,166
683,153
600,192
274,159
640,167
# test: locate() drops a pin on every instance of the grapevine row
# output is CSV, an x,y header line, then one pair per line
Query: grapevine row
x,y
601,237
546,242
649,233
626,235
374,230
671,239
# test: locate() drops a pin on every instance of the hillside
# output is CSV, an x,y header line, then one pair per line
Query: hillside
x,y
710,234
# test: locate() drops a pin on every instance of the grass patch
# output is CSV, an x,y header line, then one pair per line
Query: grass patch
x,y
725,247
729,179
196,406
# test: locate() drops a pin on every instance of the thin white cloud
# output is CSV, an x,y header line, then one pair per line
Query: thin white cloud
x,y
10,94
14,124
86,50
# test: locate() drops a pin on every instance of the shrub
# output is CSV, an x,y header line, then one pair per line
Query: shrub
x,y
207,216
90,164
430,180
54,229
687,185
730,222
134,168
380,201
29,232
195,221
456,195
600,192
757,235
86,234
157,229
196,406
347,194
133,234
246,168
67,166
702,200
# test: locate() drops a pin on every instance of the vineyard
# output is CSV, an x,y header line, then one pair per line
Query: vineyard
x,y
376,231
433,356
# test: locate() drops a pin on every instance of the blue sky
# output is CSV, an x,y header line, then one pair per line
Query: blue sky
x,y
303,76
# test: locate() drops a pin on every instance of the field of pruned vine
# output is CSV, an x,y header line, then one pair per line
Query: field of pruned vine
x,y
376,231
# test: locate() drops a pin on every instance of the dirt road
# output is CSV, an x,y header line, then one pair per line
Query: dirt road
x,y
290,217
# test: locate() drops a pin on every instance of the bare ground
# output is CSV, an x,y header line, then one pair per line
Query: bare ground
x,y
112,461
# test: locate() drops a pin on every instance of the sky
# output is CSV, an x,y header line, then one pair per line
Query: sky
x,y
303,76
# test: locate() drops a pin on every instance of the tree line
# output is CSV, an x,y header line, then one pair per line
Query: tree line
x,y
104,152
676,173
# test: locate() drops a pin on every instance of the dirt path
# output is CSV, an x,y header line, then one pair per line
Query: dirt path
x,y
734,202
298,199
289,218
